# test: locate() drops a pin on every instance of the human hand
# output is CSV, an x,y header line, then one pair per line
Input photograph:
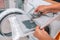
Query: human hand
x,y
46,9
42,8
41,34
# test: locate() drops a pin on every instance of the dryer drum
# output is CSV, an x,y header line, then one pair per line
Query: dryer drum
x,y
10,33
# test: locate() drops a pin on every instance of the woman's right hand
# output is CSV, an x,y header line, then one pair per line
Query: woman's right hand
x,y
41,34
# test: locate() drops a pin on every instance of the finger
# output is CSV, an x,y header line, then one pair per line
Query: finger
x,y
37,28
37,10
45,13
43,29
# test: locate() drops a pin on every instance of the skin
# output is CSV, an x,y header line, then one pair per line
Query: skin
x,y
51,1
55,7
41,34
50,8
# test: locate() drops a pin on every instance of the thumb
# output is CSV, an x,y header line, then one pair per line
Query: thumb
x,y
43,29
37,28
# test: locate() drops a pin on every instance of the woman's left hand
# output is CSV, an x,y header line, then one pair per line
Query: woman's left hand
x,y
46,9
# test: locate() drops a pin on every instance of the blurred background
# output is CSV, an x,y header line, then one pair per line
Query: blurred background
x,y
5,4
